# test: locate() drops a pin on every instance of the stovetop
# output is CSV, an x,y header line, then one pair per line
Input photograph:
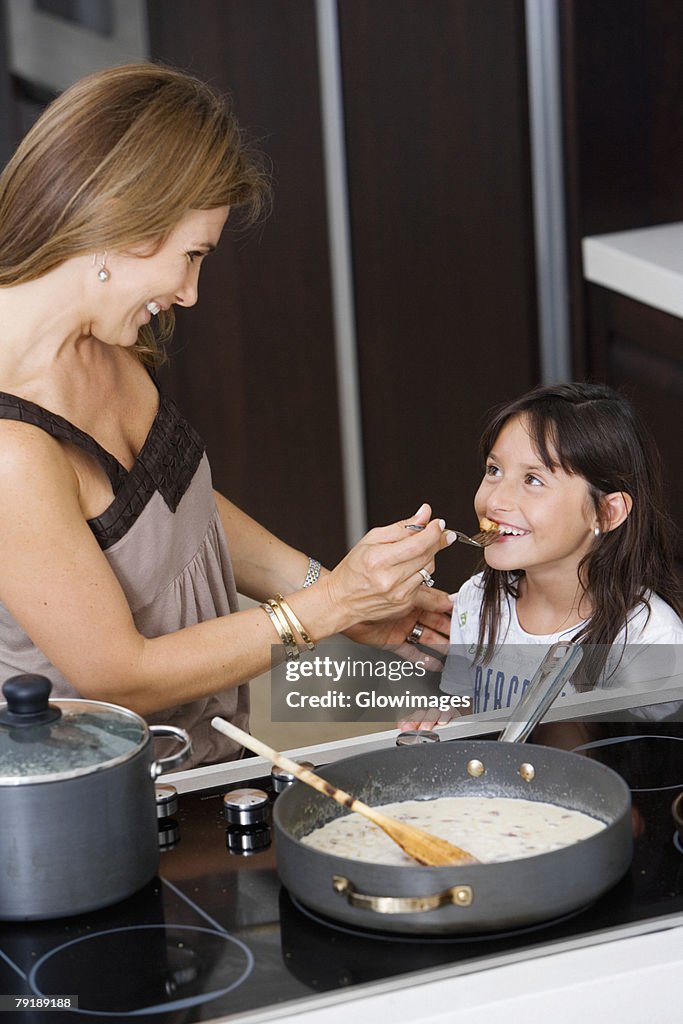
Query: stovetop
x,y
215,935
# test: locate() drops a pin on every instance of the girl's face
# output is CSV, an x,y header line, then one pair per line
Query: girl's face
x,y
139,281
551,512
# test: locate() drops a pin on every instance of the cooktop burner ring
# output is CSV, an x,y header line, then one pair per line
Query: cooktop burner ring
x,y
183,1003
614,741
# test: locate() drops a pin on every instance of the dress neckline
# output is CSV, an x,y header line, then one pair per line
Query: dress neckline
x,y
64,429
166,462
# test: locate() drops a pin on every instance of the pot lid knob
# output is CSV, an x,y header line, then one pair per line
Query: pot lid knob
x,y
28,704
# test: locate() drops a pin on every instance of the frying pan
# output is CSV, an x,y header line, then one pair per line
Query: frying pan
x,y
467,898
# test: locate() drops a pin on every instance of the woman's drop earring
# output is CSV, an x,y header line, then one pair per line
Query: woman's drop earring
x,y
102,273
596,531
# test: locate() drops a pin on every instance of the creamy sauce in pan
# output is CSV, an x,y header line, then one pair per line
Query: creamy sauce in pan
x,y
490,828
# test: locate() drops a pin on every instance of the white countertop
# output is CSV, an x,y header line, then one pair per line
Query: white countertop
x,y
632,981
645,265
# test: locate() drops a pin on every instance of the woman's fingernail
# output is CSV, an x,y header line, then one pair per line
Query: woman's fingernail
x,y
452,597
442,524
450,537
421,509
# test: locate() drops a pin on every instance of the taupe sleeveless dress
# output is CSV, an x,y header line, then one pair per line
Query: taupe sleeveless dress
x,y
164,540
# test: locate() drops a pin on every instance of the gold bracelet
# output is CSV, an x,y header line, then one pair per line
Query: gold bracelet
x,y
295,622
282,628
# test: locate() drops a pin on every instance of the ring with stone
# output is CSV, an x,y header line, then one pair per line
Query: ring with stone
x,y
427,580
415,634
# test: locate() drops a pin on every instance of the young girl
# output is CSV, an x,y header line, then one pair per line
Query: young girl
x,y
572,482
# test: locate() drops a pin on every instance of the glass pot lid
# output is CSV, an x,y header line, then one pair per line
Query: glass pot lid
x,y
43,741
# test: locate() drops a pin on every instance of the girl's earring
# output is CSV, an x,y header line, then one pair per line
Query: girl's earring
x,y
102,273
596,531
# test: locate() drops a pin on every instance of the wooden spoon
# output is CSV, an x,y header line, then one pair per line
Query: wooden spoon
x,y
421,846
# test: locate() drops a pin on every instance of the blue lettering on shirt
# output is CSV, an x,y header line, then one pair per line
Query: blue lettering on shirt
x,y
488,694
498,691
487,688
512,689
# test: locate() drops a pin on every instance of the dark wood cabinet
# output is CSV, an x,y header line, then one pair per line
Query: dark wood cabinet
x,y
639,350
442,251
253,364
440,199
623,99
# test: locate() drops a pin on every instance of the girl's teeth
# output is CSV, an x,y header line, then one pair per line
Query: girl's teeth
x,y
510,531
153,308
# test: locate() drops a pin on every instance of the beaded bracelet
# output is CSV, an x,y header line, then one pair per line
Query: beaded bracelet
x,y
313,572
282,628
295,622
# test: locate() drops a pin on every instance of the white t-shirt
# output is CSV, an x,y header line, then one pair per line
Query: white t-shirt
x,y
646,657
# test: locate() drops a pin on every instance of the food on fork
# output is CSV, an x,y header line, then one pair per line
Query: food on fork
x,y
488,532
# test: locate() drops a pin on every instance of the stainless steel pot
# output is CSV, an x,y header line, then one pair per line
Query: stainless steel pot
x,y
466,899
78,821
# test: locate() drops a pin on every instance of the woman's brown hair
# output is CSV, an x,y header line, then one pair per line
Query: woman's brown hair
x,y
114,163
592,431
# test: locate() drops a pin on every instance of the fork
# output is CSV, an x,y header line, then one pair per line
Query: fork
x,y
465,539
480,540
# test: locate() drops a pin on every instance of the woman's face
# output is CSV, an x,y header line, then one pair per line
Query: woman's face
x,y
140,285
551,512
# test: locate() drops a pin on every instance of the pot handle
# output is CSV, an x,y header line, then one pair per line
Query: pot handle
x,y
164,764
457,895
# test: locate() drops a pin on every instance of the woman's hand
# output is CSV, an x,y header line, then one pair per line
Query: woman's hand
x,y
383,578
428,623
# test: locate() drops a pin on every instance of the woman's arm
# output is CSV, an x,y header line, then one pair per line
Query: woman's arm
x,y
58,585
263,564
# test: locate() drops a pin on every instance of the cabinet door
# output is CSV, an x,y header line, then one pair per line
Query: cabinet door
x,y
638,350
438,163
624,161
253,364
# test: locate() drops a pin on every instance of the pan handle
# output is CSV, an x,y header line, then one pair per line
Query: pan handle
x,y
457,895
554,671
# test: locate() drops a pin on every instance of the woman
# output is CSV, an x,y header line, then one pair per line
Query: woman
x,y
120,565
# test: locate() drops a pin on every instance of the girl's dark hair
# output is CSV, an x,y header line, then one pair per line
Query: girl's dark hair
x,y
593,432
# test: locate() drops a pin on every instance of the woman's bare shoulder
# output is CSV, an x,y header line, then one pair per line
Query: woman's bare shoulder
x,y
32,460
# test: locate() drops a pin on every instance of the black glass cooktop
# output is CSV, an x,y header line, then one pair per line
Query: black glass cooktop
x,y
215,934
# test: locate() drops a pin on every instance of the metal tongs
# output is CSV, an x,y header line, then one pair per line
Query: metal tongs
x,y
554,672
